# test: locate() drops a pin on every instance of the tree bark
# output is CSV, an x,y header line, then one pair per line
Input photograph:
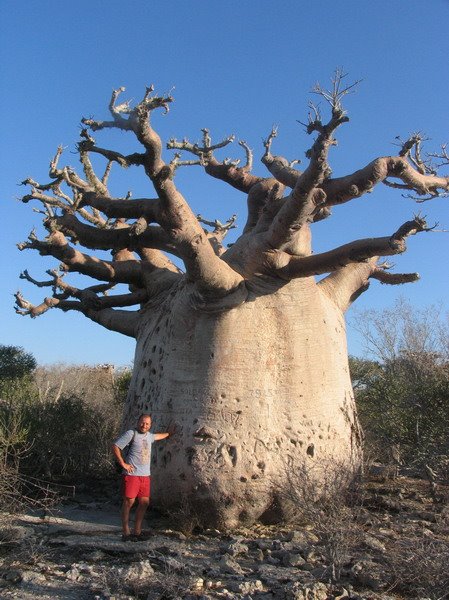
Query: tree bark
x,y
254,390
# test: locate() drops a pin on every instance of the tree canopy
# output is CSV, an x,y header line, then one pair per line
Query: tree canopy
x,y
15,362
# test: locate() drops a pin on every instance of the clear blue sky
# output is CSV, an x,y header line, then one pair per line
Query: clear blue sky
x,y
237,67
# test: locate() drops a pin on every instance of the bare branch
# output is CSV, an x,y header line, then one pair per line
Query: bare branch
x,y
176,162
107,239
303,204
343,189
393,278
218,225
338,91
443,156
124,161
203,152
357,251
264,201
63,202
249,156
220,230
25,308
25,275
238,177
121,321
116,271
279,166
147,208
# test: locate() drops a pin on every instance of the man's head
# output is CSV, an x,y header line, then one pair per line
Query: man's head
x,y
144,423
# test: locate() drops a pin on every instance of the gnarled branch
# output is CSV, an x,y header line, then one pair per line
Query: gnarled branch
x,y
357,251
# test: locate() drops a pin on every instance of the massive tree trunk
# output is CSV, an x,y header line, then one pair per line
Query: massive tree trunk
x,y
243,350
256,390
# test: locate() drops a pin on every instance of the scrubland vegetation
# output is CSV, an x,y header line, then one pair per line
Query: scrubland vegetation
x,y
57,422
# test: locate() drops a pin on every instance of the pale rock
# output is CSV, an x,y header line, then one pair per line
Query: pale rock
x,y
140,570
33,577
229,565
234,548
373,543
292,560
299,591
247,587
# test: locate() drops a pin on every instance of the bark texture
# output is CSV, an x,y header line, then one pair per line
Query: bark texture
x,y
243,350
256,390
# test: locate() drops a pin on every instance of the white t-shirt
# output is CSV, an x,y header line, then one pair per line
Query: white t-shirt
x,y
139,452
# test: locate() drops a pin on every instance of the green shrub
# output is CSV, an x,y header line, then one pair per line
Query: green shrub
x,y
68,417
403,394
15,363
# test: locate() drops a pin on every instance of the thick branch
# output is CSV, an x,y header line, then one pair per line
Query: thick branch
x,y
119,208
263,201
212,275
300,208
117,271
357,251
96,309
346,284
109,239
237,177
343,189
121,321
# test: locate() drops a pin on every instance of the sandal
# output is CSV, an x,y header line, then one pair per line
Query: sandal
x,y
140,537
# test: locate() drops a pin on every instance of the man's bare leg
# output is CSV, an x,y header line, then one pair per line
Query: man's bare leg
x,y
126,508
140,513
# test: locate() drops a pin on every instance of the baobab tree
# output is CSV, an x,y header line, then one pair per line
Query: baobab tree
x,y
242,348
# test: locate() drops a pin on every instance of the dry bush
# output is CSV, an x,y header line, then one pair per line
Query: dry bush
x,y
69,438
17,492
327,497
95,383
420,567
165,582
185,518
56,423
69,417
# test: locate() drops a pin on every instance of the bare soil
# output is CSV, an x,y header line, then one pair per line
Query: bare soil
x,y
395,546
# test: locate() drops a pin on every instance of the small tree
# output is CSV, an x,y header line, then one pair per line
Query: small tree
x,y
15,362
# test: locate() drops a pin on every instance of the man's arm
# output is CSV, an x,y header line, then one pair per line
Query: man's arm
x,y
166,434
118,455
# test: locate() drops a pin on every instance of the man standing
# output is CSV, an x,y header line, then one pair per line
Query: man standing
x,y
136,466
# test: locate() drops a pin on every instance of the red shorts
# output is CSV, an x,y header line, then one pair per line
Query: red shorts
x,y
135,486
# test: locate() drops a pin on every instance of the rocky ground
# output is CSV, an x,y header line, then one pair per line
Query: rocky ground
x,y
392,544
